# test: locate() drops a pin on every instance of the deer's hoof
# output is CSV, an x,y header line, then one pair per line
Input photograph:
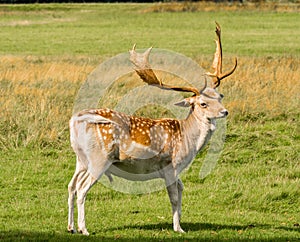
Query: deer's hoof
x,y
71,230
84,231
179,230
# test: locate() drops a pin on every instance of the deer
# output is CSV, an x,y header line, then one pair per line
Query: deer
x,y
138,148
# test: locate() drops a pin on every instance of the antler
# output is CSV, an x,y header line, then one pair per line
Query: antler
x,y
144,70
217,62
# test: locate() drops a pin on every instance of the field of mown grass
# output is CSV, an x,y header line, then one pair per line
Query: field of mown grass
x,y
48,51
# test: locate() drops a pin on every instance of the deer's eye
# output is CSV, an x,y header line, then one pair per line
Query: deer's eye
x,y
203,105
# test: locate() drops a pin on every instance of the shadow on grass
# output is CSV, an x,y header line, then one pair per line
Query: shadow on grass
x,y
192,227
116,235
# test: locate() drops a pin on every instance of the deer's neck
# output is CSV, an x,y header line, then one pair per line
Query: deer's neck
x,y
196,132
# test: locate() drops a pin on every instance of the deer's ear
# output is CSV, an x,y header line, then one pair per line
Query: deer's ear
x,y
186,102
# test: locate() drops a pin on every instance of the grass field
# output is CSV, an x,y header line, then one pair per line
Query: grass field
x,y
47,52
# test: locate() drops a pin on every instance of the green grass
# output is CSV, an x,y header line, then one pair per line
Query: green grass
x,y
253,195
47,52
109,29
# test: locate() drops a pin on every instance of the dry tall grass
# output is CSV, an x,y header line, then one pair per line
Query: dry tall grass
x,y
37,94
36,99
266,85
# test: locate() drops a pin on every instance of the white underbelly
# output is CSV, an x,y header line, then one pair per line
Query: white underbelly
x,y
139,170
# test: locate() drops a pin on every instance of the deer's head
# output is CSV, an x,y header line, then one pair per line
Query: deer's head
x,y
205,102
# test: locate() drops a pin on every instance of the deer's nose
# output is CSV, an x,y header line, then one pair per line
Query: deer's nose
x,y
224,113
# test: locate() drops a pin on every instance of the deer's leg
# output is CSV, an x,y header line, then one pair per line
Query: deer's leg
x,y
97,165
84,183
72,194
180,189
175,198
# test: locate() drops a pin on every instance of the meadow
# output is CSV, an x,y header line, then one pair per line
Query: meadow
x,y
47,51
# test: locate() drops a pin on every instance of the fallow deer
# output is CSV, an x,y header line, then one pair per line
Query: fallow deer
x,y
136,148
